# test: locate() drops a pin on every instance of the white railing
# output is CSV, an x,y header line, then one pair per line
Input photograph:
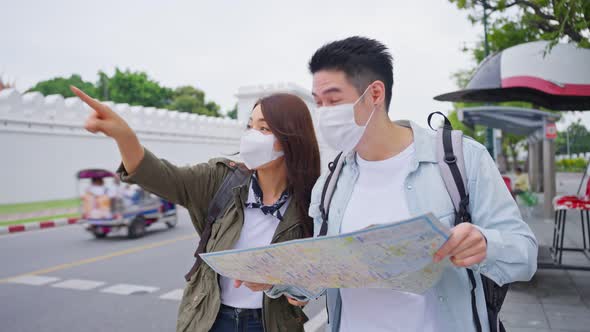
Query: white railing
x,y
40,113
43,142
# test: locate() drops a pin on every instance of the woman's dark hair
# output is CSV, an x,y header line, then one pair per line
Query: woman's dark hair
x,y
290,121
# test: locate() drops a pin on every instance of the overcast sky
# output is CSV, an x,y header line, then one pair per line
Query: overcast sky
x,y
222,45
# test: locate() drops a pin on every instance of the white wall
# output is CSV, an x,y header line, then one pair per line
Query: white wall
x,y
43,143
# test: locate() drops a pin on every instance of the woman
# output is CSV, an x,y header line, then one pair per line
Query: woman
x,y
281,149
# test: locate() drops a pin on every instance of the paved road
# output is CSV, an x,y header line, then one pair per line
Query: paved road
x,y
68,281
65,280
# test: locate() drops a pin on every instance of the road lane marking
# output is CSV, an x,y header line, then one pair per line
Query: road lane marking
x,y
33,280
79,284
128,289
101,258
175,295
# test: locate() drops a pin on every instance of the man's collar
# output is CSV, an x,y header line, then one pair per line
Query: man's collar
x,y
423,139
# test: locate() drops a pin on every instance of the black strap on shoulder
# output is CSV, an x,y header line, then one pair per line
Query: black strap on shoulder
x,y
463,214
323,210
451,160
447,122
238,176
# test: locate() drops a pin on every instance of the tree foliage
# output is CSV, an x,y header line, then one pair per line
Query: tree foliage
x,y
192,100
233,113
134,88
579,139
513,22
61,86
553,20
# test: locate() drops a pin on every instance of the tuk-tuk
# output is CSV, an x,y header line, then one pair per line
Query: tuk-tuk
x,y
109,207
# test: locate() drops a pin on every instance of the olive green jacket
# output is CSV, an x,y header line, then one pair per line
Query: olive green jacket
x,y
193,187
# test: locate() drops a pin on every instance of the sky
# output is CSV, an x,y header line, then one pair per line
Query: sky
x,y
219,46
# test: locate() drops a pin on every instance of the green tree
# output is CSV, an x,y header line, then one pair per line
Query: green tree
x,y
135,88
477,133
213,108
554,20
102,86
61,86
579,139
511,144
186,104
513,22
233,113
188,90
192,100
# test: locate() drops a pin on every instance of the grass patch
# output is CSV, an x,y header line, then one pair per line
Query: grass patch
x,y
37,219
39,206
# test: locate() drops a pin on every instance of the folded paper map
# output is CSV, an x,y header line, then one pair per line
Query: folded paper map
x,y
395,256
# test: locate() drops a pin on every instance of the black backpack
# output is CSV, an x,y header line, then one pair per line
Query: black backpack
x,y
452,167
238,176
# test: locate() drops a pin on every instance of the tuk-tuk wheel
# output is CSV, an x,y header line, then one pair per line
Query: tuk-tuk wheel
x,y
99,235
172,223
137,228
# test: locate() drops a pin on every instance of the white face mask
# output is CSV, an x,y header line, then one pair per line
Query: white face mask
x,y
257,149
338,128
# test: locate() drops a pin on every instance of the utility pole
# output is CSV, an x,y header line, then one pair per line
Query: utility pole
x,y
489,131
567,135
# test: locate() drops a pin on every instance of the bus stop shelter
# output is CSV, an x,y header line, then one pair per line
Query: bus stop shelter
x,y
539,128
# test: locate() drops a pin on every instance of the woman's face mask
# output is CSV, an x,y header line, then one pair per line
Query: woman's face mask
x,y
257,149
338,127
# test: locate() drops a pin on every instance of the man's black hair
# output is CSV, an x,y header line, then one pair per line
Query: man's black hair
x,y
362,59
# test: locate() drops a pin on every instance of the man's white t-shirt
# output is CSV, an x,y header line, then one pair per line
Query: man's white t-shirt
x,y
378,198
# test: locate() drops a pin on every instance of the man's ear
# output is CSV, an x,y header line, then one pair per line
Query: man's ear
x,y
377,92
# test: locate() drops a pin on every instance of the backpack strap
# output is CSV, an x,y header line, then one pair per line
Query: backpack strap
x,y
335,167
220,202
449,153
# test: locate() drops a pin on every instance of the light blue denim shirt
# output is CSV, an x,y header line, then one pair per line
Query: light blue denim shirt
x,y
511,246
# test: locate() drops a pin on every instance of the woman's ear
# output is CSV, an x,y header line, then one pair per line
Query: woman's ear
x,y
277,145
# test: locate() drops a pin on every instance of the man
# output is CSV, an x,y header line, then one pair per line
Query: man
x,y
521,184
390,173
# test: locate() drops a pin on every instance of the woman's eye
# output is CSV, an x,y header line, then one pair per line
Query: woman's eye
x,y
264,129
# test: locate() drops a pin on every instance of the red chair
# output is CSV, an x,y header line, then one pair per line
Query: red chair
x,y
561,204
508,183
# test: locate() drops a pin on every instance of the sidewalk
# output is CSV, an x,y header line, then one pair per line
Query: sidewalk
x,y
554,300
37,214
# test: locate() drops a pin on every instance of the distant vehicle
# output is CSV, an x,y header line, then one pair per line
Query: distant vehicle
x,y
114,208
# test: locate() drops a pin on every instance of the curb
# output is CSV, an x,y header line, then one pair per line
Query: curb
x,y
38,225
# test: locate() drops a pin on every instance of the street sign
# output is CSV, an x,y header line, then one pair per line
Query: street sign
x,y
550,130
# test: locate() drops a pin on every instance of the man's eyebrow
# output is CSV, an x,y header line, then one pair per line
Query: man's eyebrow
x,y
329,90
